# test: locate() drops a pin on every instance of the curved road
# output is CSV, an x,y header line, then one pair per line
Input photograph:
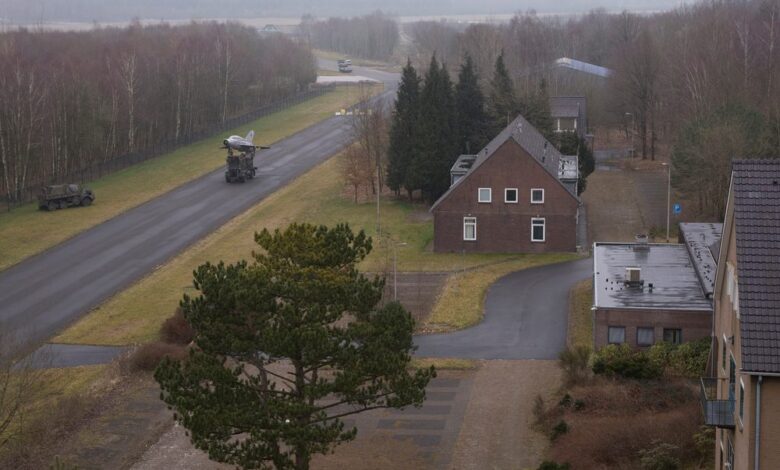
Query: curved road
x,y
526,316
45,293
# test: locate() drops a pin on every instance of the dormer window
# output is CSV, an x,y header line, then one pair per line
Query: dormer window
x,y
485,195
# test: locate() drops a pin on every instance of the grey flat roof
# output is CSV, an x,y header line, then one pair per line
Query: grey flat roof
x,y
699,238
667,266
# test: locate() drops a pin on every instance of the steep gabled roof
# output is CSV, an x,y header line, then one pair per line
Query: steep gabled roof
x,y
570,107
531,140
756,187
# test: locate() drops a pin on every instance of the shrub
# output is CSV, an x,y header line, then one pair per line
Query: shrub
x,y
659,457
565,401
705,443
622,361
574,362
559,429
176,329
686,360
149,355
549,465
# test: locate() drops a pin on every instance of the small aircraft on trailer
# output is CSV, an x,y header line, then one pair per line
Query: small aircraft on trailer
x,y
242,144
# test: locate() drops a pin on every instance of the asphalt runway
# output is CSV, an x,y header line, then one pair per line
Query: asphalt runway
x,y
44,294
526,317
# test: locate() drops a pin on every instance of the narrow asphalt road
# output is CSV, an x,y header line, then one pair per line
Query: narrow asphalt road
x,y
526,317
45,293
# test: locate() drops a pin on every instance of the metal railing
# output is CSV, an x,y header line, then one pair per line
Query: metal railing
x,y
717,412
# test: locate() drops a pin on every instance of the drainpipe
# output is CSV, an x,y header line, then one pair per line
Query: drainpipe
x,y
758,422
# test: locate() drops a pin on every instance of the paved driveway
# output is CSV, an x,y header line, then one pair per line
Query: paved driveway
x,y
525,317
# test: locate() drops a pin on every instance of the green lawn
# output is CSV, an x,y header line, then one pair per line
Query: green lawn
x,y
134,316
26,231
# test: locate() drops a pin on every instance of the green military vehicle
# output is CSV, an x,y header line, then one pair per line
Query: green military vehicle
x,y
60,196
240,167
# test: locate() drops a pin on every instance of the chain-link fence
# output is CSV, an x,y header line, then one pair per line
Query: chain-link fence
x,y
99,169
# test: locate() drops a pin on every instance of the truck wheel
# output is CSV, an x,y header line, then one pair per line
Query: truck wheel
x,y
86,201
227,178
51,206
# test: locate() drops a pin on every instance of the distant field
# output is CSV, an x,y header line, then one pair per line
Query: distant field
x,y
26,231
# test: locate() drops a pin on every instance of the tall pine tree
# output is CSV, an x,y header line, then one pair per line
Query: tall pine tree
x,y
503,105
404,132
438,147
471,119
535,108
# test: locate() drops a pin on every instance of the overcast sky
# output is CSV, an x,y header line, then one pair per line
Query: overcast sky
x,y
123,10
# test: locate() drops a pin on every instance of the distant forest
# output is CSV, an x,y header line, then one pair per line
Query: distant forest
x,y
70,100
700,83
31,11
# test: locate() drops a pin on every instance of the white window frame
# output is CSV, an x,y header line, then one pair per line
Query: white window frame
x,y
544,229
532,195
741,400
469,221
735,298
729,279
490,196
517,195
724,355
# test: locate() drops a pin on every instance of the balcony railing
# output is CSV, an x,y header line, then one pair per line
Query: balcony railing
x,y
718,413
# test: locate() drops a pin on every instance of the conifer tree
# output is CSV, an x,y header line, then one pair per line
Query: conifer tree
x,y
503,105
438,146
287,346
404,132
535,108
471,119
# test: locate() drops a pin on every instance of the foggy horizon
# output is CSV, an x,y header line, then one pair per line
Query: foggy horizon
x,y
88,11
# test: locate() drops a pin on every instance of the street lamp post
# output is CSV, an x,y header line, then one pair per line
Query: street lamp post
x,y
632,133
668,198
395,269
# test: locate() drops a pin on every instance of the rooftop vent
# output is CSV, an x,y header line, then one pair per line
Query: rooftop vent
x,y
634,277
641,242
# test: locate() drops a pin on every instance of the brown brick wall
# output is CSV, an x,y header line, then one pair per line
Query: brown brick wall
x,y
694,324
506,227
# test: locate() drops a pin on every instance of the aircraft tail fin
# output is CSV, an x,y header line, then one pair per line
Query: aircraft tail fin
x,y
251,136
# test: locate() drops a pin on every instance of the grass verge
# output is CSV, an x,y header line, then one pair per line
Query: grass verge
x,y
26,231
444,363
135,315
580,332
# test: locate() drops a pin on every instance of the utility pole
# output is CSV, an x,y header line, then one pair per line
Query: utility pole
x,y
668,197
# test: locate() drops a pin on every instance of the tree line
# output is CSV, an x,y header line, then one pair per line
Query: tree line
x,y
373,36
698,83
435,121
71,100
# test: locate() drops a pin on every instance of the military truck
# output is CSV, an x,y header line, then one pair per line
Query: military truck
x,y
240,167
60,196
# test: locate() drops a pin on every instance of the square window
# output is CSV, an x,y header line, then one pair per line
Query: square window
x,y
645,336
673,335
537,196
469,228
616,335
537,230
485,195
510,195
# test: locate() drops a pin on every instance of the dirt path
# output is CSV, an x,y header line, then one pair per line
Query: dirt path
x,y
497,430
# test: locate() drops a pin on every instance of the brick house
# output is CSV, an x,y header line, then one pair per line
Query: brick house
x,y
518,194
742,396
569,114
645,293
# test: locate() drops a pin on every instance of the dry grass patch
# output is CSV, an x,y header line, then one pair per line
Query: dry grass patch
x,y
460,304
444,363
26,231
580,315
